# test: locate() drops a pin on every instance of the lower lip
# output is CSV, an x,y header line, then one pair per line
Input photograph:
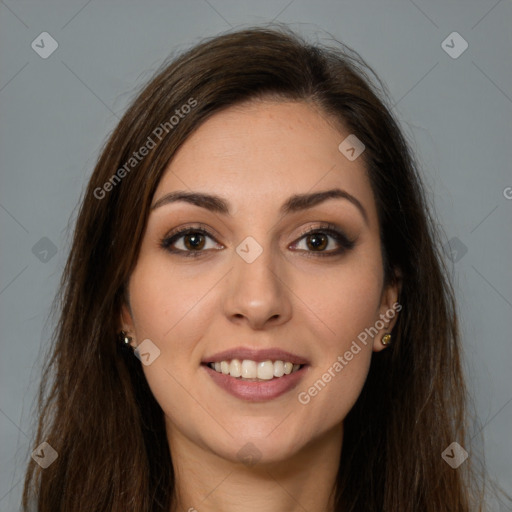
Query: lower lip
x,y
256,391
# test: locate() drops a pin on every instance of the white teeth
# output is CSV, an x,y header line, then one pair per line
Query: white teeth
x,y
248,369
278,369
265,370
235,368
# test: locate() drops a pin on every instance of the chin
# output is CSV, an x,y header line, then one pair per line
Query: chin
x,y
256,446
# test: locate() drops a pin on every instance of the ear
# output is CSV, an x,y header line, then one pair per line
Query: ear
x,y
388,311
126,323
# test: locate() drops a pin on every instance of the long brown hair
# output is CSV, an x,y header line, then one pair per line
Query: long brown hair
x,y
95,407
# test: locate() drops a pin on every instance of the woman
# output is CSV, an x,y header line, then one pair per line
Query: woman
x,y
254,313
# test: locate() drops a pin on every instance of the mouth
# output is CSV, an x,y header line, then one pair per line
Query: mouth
x,y
256,375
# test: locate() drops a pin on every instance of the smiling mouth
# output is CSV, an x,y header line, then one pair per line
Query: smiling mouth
x,y
255,371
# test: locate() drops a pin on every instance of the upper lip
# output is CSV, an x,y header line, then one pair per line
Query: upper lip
x,y
274,354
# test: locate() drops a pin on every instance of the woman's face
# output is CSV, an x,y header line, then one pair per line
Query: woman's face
x,y
246,285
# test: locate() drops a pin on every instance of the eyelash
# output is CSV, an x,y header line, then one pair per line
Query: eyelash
x,y
326,228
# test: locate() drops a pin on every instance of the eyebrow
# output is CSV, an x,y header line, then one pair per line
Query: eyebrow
x,y
295,203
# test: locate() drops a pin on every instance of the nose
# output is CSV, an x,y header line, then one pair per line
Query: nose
x,y
257,293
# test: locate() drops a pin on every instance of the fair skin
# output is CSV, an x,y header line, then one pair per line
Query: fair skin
x,y
255,156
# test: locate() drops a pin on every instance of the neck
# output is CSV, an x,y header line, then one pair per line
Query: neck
x,y
207,482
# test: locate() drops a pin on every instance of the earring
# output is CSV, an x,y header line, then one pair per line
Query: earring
x,y
386,339
125,339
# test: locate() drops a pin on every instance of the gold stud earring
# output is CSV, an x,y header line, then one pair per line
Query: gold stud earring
x,y
386,339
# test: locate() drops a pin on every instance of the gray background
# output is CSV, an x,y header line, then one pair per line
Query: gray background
x,y
55,114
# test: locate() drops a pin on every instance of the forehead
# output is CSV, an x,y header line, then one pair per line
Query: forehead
x,y
263,152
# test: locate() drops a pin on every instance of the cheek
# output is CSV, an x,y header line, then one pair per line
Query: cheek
x,y
166,302
342,303
343,308
173,309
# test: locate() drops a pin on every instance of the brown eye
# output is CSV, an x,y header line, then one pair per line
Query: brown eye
x,y
319,239
193,242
